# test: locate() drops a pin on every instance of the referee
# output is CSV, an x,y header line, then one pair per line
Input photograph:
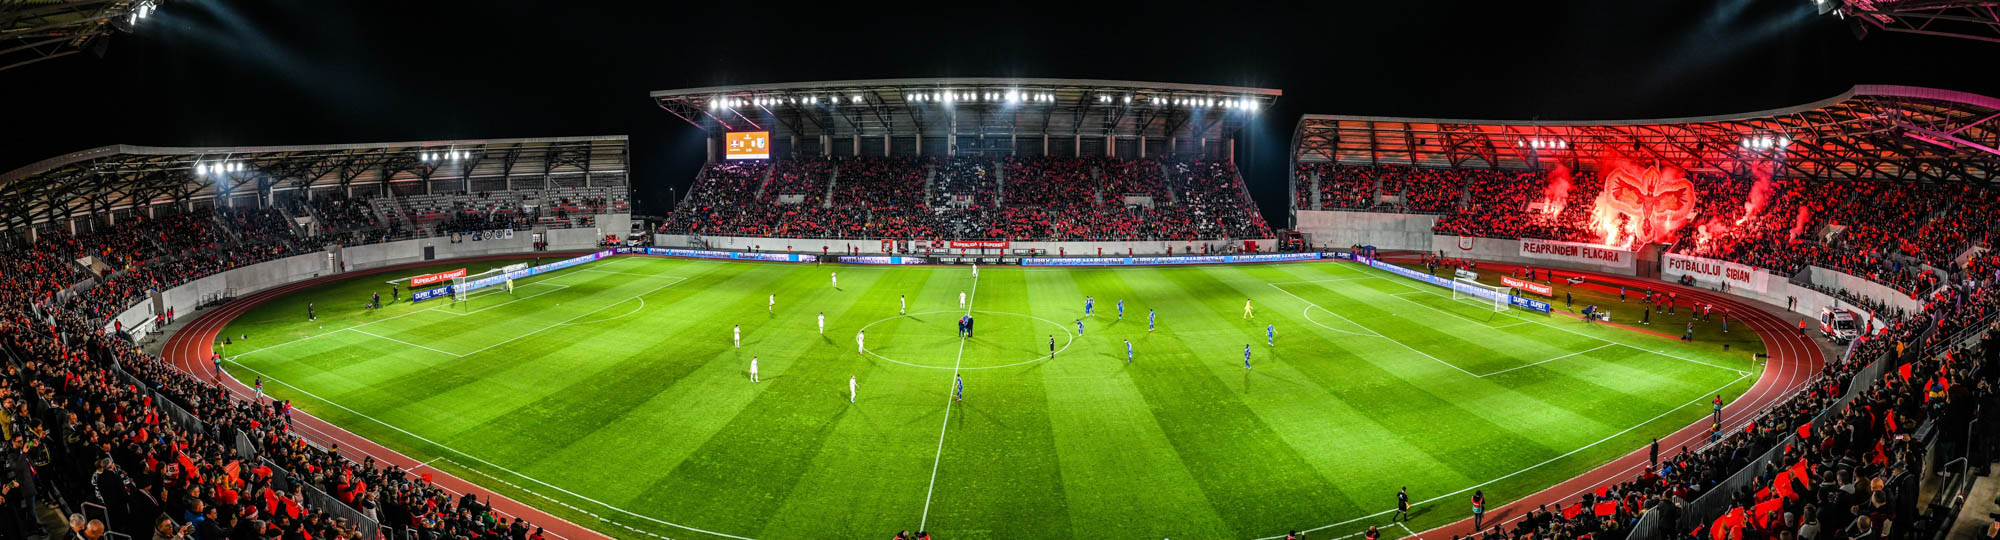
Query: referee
x,y
1402,505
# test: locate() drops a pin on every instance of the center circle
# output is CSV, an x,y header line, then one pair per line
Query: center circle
x,y
999,339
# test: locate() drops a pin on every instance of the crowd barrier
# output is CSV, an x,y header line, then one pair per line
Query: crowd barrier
x,y
1529,304
717,254
316,500
1171,260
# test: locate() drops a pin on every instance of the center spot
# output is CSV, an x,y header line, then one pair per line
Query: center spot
x,y
999,339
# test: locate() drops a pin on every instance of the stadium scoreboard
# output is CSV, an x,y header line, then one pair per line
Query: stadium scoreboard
x,y
748,145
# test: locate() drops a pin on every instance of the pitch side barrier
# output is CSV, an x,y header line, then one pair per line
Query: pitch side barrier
x,y
713,254
1529,304
489,281
1191,259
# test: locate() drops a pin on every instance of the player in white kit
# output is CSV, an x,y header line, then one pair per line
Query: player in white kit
x,y
822,323
902,304
853,389
736,336
860,343
753,369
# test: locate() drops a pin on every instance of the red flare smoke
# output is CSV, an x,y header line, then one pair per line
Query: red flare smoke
x,y
1799,225
1760,192
1556,195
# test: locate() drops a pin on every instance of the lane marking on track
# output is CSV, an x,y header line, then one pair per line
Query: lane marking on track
x,y
1525,469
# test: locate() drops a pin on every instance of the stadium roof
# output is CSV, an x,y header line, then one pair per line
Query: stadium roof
x,y
1964,19
38,30
1897,132
118,177
971,107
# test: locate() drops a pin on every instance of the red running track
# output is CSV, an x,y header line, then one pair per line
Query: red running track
x,y
1794,361
189,349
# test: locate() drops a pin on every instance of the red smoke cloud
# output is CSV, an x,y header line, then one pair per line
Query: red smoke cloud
x,y
1799,224
1760,192
1556,195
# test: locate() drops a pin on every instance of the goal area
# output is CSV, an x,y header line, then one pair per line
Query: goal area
x,y
1488,297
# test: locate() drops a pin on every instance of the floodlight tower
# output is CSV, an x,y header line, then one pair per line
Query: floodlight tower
x,y
1964,19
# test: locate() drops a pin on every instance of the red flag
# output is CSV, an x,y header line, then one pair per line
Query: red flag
x,y
1606,508
1881,456
1764,510
1905,371
1889,419
1720,531
1800,471
1782,485
1572,511
1603,491
1805,430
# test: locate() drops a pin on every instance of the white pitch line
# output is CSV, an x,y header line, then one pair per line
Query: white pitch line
x,y
558,287
1522,366
1599,338
1525,469
938,458
573,319
1381,335
427,440
432,349
1329,311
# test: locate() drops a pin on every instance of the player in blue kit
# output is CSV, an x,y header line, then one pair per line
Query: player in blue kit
x,y
1128,351
1246,356
1149,319
958,388
1121,309
1079,327
1089,302
1271,335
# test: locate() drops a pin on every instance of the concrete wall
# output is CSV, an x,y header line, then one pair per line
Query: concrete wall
x,y
1825,277
1504,250
840,246
249,279
1335,229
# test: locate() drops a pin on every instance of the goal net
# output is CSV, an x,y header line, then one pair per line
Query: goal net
x,y
458,292
1490,297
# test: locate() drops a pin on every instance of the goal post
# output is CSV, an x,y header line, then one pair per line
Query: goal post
x,y
1492,297
458,292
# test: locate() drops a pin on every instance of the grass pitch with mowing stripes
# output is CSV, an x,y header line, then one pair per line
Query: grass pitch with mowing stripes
x,y
614,389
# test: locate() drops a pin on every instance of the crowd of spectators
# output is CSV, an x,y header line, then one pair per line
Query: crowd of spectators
x,y
1851,476
89,418
1042,198
1892,232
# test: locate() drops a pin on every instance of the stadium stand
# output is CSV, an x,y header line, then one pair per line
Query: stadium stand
x,y
1039,198
1894,233
1842,458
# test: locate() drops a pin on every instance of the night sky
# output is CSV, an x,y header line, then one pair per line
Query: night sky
x,y
208,73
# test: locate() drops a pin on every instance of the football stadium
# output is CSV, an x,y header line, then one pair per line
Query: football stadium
x,y
1177,309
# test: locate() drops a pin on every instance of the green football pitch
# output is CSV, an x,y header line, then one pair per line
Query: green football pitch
x,y
611,394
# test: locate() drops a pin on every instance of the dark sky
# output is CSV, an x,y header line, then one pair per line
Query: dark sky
x,y
203,72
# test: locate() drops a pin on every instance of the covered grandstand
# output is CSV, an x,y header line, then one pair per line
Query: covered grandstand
x,y
977,116
1144,165
406,188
